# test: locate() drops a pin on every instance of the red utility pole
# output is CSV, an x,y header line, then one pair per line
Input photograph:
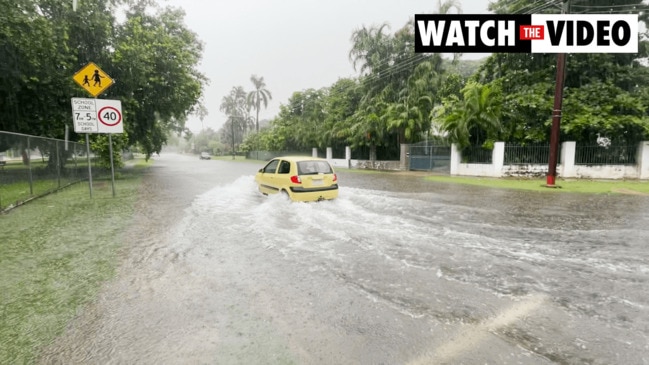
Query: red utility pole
x,y
556,120
556,113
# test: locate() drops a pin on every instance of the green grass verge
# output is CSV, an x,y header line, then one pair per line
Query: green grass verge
x,y
229,158
575,186
12,193
55,253
139,163
363,171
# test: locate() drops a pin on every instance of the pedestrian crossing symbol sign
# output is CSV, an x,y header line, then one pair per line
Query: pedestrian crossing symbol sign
x,y
93,79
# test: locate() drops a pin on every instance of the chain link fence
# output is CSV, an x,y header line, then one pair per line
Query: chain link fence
x,y
34,166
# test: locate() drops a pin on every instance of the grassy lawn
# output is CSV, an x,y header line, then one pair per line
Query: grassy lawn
x,y
55,253
576,186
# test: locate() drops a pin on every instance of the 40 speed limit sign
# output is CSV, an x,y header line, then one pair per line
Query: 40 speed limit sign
x,y
97,115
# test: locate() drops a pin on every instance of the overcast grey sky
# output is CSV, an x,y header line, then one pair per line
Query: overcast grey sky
x,y
294,44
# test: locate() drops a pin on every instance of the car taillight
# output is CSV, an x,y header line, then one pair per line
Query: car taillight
x,y
335,178
296,179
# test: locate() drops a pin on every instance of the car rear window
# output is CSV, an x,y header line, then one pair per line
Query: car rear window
x,y
313,167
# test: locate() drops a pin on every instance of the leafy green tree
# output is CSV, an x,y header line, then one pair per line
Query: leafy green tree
x,y
152,57
154,65
100,144
605,109
203,141
268,139
342,100
38,46
301,120
603,92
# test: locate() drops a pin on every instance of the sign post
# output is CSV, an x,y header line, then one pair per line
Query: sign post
x,y
98,116
110,121
95,115
89,166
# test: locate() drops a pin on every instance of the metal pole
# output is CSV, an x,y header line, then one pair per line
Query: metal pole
x,y
232,129
58,164
89,167
29,167
112,167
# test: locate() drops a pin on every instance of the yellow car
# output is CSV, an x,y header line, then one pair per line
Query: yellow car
x,y
300,178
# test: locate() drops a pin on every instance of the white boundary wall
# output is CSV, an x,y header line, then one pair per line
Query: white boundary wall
x,y
565,169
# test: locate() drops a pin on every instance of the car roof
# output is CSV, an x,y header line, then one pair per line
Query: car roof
x,y
299,158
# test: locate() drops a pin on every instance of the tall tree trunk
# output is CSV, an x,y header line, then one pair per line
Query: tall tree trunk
x,y
372,152
257,120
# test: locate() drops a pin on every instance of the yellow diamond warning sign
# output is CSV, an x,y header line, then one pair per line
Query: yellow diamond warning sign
x,y
93,79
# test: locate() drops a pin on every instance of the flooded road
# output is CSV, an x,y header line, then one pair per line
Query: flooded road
x,y
396,271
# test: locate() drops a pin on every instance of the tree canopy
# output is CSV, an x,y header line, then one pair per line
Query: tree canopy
x,y
403,97
151,55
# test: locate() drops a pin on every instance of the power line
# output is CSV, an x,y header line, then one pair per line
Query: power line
x,y
545,6
608,6
620,11
537,6
529,6
388,70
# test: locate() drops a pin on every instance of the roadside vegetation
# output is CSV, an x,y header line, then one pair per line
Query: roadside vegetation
x,y
56,252
403,97
150,52
397,97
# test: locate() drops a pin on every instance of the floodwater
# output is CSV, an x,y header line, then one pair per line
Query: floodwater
x,y
396,271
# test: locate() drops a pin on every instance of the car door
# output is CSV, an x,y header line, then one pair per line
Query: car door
x,y
266,178
283,176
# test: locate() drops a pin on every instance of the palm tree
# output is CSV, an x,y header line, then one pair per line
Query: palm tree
x,y
258,96
474,118
445,8
410,115
236,107
371,48
372,55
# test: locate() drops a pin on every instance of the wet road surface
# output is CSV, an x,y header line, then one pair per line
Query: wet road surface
x,y
396,271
